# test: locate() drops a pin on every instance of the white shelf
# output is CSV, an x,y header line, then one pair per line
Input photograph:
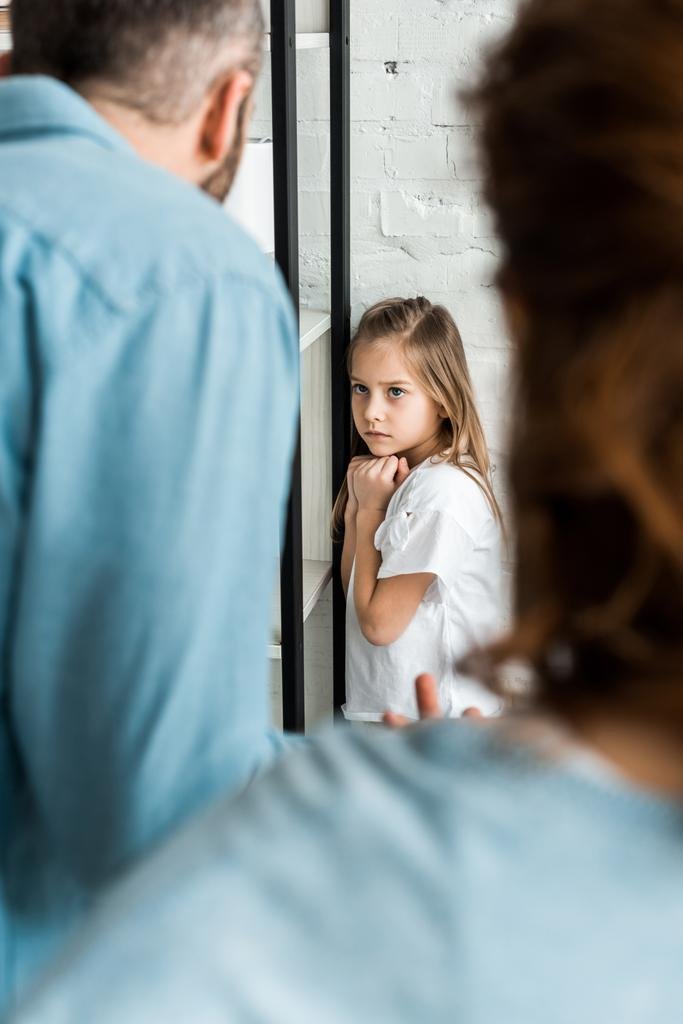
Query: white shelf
x,y
305,41
316,577
313,323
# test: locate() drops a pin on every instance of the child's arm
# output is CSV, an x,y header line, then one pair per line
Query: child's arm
x,y
349,548
384,607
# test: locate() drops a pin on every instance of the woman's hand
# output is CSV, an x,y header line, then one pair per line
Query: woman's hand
x,y
427,695
376,481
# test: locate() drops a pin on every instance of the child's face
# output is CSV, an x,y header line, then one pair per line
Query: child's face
x,y
391,412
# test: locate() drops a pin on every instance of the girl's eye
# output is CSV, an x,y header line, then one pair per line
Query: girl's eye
x,y
396,392
359,389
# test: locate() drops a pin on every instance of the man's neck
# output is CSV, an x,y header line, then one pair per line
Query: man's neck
x,y
166,146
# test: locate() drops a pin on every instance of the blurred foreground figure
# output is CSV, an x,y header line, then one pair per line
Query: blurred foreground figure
x,y
529,871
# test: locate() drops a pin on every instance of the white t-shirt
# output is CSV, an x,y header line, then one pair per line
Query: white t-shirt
x,y
438,521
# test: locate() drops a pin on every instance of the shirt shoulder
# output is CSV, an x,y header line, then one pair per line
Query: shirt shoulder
x,y
129,229
438,486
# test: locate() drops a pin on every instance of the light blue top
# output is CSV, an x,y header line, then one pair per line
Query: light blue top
x,y
148,386
441,876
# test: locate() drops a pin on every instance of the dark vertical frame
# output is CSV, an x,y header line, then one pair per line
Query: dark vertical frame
x,y
340,115
285,174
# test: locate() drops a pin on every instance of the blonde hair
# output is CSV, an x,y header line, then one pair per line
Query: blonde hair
x,y
431,344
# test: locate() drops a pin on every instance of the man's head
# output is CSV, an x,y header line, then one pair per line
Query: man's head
x,y
166,63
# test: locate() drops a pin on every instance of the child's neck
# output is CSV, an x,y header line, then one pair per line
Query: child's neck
x,y
414,456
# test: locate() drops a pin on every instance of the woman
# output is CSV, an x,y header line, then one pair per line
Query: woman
x,y
530,870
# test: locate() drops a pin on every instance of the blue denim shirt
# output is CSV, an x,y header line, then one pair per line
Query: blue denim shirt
x,y
148,387
447,874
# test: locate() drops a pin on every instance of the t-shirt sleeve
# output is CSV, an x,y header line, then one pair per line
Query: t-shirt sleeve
x,y
430,541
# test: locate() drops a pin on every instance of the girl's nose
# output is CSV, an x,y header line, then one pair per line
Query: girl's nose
x,y
374,411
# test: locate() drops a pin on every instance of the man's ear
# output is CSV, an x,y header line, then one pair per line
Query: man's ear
x,y
219,125
5,64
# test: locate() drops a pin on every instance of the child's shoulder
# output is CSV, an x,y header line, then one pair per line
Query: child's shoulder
x,y
442,487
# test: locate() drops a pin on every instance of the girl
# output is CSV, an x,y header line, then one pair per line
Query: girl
x,y
421,564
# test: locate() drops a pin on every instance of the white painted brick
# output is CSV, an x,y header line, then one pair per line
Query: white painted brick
x,y
448,107
374,34
367,155
408,276
483,226
420,157
373,95
431,248
488,374
413,93
496,425
404,214
474,268
428,37
365,219
477,314
463,154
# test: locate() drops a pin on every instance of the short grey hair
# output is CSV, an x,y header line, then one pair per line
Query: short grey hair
x,y
159,57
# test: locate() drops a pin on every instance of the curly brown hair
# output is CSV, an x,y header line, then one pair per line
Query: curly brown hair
x,y
582,129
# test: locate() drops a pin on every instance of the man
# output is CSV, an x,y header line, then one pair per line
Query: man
x,y
148,381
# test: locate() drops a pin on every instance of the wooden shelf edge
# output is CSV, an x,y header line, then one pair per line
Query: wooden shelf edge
x,y
313,323
316,577
320,573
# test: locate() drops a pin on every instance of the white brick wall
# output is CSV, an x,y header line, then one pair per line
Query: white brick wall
x,y
418,222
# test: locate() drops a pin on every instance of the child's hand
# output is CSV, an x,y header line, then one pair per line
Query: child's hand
x,y
352,503
375,482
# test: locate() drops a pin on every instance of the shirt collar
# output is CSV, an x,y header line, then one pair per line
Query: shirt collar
x,y
35,104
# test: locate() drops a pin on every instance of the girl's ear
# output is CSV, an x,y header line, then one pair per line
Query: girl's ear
x,y
442,412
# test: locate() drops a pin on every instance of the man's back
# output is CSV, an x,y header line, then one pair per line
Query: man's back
x,y
147,392
452,873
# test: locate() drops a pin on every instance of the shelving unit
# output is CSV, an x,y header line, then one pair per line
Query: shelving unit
x,y
316,575
307,562
313,324
304,41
